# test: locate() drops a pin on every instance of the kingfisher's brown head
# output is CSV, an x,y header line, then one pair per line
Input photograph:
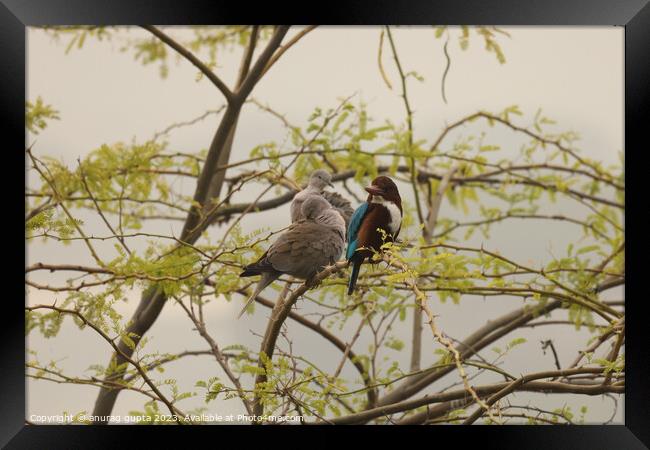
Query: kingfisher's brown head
x,y
385,188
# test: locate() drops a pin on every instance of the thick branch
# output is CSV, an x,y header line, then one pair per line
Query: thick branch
x,y
194,224
185,53
528,385
216,182
434,207
490,332
287,46
278,316
427,232
338,343
153,299
127,358
257,70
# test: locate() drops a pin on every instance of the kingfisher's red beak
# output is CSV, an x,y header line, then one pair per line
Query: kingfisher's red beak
x,y
374,190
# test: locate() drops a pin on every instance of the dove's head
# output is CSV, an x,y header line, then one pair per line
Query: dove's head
x,y
319,179
314,206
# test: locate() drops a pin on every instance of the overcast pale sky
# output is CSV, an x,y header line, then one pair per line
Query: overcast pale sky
x,y
575,74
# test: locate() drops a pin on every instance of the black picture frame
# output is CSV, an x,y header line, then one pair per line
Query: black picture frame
x,y
634,15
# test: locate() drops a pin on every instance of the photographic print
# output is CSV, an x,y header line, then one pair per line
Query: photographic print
x,y
379,225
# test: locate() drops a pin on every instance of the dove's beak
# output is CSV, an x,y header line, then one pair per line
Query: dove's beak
x,y
330,184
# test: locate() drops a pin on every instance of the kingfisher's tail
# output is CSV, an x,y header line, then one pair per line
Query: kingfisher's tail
x,y
356,265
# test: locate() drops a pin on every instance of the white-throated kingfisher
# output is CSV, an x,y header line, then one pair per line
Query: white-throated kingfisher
x,y
382,210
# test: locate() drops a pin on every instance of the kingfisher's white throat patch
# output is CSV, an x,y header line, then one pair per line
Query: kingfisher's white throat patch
x,y
393,210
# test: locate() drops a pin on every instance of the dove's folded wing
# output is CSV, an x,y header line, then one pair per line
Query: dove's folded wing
x,y
305,249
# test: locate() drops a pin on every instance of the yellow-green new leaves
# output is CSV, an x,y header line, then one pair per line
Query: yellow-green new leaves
x,y
48,324
46,223
581,316
152,50
119,178
205,41
394,343
488,34
178,269
212,386
37,114
509,346
78,34
617,366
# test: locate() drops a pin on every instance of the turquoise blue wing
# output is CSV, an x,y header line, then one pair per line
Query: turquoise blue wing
x,y
353,228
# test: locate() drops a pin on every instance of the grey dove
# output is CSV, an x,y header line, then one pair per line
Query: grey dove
x,y
341,204
318,180
304,249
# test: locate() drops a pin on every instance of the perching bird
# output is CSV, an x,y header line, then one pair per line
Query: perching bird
x,y
304,249
383,210
318,180
341,204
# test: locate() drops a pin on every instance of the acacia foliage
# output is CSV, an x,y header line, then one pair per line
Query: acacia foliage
x,y
468,166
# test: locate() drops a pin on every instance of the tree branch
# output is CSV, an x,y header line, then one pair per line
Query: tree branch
x,y
527,385
279,314
490,332
127,358
185,53
287,46
338,343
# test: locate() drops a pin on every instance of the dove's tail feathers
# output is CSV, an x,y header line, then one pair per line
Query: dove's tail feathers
x,y
356,265
250,300
250,271
267,278
259,267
